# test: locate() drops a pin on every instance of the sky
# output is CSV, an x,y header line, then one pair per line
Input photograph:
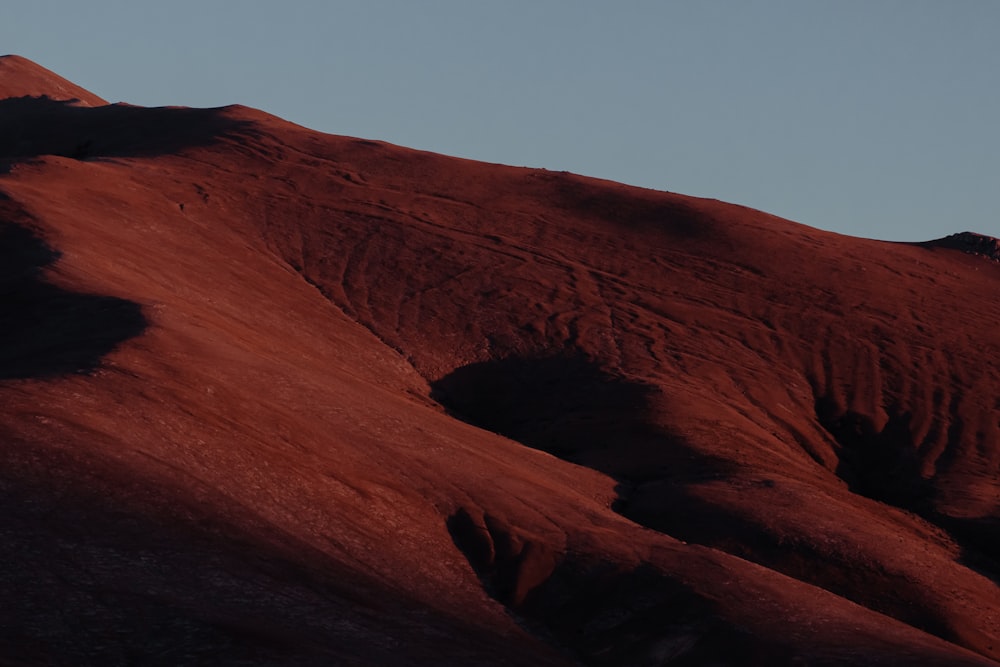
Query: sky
x,y
874,118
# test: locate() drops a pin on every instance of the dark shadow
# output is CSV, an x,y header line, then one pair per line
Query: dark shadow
x,y
105,564
980,541
884,465
564,405
569,406
633,208
867,584
878,463
34,126
45,330
602,613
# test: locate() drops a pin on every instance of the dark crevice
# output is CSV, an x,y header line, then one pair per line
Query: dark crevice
x,y
884,464
878,463
600,612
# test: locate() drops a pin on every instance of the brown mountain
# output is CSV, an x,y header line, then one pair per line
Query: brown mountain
x,y
275,397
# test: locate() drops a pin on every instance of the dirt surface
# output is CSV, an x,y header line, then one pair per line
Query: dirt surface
x,y
274,397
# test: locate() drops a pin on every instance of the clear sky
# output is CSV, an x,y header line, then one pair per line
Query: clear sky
x,y
874,118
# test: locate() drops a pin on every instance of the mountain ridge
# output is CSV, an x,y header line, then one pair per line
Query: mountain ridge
x,y
758,441
20,77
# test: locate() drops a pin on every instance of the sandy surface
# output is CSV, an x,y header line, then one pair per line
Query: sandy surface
x,y
270,396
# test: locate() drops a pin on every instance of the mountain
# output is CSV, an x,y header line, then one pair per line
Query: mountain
x,y
19,77
276,397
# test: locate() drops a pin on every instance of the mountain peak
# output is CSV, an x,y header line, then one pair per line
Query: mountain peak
x,y
20,77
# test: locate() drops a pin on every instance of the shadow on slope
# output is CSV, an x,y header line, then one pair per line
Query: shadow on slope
x,y
884,464
45,330
570,407
106,565
36,126
878,463
605,613
980,540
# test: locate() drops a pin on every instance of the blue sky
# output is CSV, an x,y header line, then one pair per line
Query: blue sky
x,y
875,118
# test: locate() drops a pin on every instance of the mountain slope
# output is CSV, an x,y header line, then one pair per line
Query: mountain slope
x,y
19,77
277,397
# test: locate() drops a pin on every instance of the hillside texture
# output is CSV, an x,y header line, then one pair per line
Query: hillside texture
x,y
275,397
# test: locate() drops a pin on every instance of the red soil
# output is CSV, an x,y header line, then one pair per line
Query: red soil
x,y
276,397
19,77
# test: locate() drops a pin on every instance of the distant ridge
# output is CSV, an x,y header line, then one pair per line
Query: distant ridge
x,y
20,77
970,242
